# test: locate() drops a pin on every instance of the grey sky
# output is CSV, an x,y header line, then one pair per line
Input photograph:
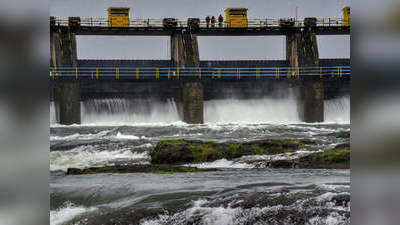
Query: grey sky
x,y
140,47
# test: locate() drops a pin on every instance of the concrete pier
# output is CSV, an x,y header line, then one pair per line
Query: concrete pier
x,y
63,49
193,102
63,52
301,51
184,49
185,53
68,100
311,101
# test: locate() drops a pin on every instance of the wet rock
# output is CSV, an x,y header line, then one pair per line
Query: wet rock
x,y
343,134
124,216
339,134
285,207
341,200
343,145
282,164
330,159
188,151
99,145
160,169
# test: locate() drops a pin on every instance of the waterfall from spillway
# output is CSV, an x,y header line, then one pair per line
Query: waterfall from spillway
x,y
265,110
53,118
279,106
338,110
116,111
126,111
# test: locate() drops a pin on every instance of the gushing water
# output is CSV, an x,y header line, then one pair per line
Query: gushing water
x,y
53,118
245,111
251,111
125,111
338,110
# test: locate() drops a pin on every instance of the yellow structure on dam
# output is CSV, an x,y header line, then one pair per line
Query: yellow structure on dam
x,y
118,17
236,17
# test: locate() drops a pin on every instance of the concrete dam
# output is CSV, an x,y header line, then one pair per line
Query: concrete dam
x,y
303,74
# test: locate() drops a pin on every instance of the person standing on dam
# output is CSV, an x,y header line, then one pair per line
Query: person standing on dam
x,y
220,20
213,20
208,21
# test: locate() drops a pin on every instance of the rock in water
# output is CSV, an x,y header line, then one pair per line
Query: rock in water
x,y
189,151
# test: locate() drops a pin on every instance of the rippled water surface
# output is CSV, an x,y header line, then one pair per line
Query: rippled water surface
x,y
244,191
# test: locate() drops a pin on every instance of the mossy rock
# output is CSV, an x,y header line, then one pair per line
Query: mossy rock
x,y
334,158
158,169
173,151
343,134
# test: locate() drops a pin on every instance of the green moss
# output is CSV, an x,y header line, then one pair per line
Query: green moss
x,y
343,134
258,150
172,141
235,146
181,151
293,142
188,169
163,172
203,152
332,156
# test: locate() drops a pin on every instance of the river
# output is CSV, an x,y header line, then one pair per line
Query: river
x,y
243,191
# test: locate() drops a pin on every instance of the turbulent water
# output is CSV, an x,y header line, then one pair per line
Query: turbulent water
x,y
245,191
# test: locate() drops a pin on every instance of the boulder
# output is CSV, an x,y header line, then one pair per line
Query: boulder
x,y
174,151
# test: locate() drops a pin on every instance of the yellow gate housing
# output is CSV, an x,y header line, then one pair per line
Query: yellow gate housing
x,y
236,17
346,16
118,17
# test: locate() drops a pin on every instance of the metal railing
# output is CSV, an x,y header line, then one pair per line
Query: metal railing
x,y
252,23
200,72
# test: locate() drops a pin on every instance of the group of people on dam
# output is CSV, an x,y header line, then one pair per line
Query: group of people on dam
x,y
213,21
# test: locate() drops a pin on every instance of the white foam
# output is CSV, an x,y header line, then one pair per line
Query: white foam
x,y
147,145
328,196
68,137
87,156
333,187
209,215
250,161
67,213
80,136
222,163
234,216
333,218
282,156
126,136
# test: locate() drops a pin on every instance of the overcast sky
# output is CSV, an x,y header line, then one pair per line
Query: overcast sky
x,y
222,48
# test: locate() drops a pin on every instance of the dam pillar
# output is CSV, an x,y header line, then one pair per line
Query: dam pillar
x,y
63,49
63,53
68,103
185,53
184,49
311,101
193,102
302,51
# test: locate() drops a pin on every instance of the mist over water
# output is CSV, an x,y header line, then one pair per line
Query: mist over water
x,y
251,111
53,119
117,111
125,111
337,110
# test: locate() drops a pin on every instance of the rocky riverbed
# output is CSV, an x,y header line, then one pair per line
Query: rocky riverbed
x,y
169,155
202,174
